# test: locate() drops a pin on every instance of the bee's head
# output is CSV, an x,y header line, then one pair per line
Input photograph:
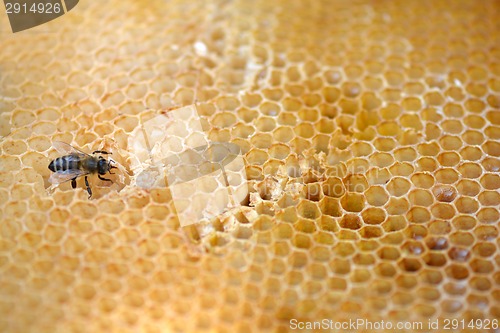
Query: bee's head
x,y
104,166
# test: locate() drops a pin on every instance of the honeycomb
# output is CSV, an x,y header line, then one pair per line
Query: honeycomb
x,y
370,132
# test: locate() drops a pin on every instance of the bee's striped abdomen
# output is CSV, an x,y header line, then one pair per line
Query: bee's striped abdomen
x,y
64,163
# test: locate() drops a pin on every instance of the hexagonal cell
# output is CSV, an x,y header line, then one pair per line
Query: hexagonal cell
x,y
281,249
449,158
489,198
452,126
325,126
350,221
446,176
381,160
361,149
484,249
415,231
351,89
473,137
472,105
462,238
398,186
435,259
305,130
464,222
283,134
491,164
440,227
422,180
410,264
376,196
369,100
389,253
466,205
444,193
421,197
296,260
301,241
468,187
279,151
480,283
308,209
404,169
412,104
418,215
388,128
459,254
470,170
394,223
368,232
431,276
491,148
481,266
373,215
407,281
333,187
443,210
449,306
384,144
492,132
490,181
355,183
340,266
265,124
261,140
474,121
411,121
397,206
378,176
391,95
271,167
486,233
427,164
413,248
344,249
367,245
308,226
372,83
330,206
312,191
429,293
353,202
471,153
432,132
257,157
432,115
428,149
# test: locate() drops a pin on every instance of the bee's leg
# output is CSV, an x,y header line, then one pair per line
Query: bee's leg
x,y
73,183
111,167
102,178
88,186
100,152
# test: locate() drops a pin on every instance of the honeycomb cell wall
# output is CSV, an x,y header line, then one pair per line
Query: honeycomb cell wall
x,y
370,132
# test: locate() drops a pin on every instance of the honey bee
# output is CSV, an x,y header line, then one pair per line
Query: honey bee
x,y
75,163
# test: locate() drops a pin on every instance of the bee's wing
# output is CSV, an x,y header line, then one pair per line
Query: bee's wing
x,y
67,149
63,176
